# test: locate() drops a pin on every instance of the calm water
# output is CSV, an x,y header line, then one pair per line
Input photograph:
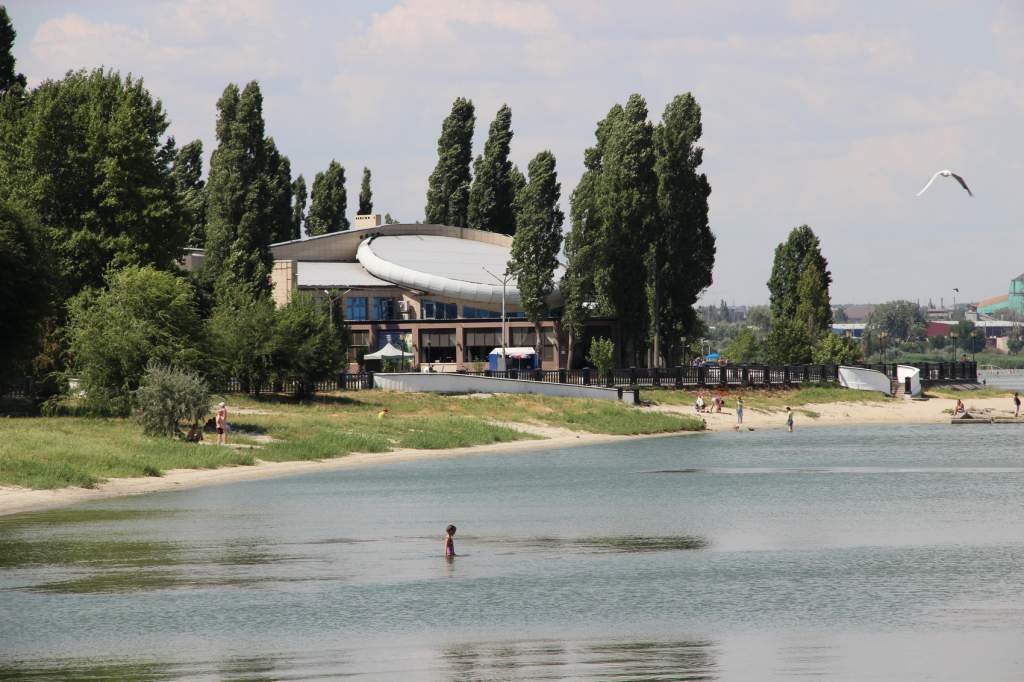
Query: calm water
x,y
851,554
1010,379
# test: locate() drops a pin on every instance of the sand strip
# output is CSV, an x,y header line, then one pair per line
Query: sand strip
x,y
15,500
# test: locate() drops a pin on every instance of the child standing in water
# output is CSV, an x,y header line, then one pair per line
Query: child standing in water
x,y
449,541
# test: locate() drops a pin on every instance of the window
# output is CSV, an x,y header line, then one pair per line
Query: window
x,y
479,342
359,345
436,310
355,308
383,308
437,345
470,312
525,336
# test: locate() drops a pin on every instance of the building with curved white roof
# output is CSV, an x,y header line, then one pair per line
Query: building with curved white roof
x,y
429,289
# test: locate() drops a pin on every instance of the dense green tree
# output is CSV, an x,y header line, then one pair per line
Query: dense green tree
x,y
585,246
628,204
492,195
25,294
901,320
298,206
90,161
683,244
388,220
813,308
308,347
9,79
788,343
278,178
365,194
239,224
449,183
602,355
745,347
1015,341
834,349
328,202
538,238
243,335
144,315
791,258
188,180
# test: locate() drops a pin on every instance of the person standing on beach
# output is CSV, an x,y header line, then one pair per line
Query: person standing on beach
x,y
222,424
739,411
449,542
1016,404
789,419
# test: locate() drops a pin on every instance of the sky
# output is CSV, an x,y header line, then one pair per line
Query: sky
x,y
826,113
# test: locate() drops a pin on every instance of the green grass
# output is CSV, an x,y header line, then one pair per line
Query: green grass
x,y
964,394
55,452
769,400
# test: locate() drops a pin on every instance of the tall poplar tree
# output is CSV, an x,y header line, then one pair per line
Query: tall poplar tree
x,y
328,202
365,194
683,253
585,246
799,293
538,238
9,78
628,204
239,201
298,206
278,177
449,184
792,257
188,180
492,194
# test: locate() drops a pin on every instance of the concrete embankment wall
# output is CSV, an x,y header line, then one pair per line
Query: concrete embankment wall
x,y
418,382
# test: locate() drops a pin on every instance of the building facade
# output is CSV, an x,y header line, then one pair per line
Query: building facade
x,y
434,291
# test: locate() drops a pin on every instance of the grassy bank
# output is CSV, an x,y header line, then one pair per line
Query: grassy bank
x,y
55,452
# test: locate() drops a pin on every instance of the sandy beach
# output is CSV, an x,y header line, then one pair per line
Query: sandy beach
x,y
14,500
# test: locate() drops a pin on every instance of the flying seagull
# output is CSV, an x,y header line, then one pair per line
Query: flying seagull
x,y
946,174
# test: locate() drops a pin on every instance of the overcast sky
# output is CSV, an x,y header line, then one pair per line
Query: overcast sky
x,y
826,113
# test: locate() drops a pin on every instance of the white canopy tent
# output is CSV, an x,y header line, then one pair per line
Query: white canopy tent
x,y
388,352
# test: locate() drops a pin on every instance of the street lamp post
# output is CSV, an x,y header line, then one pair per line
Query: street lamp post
x,y
504,331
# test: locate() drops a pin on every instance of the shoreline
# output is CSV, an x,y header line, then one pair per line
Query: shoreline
x,y
16,500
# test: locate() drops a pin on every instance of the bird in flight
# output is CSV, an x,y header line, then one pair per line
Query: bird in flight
x,y
947,174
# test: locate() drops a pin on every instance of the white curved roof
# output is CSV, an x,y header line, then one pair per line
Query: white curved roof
x,y
443,266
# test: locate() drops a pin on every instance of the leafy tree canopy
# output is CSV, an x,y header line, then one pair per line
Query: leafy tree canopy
x,y
328,202
899,319
365,194
493,193
449,184
25,294
145,315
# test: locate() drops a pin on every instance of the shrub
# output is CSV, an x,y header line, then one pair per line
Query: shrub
x,y
168,396
837,350
602,355
144,316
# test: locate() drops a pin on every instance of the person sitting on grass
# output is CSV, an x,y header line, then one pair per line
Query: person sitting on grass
x,y
195,434
699,403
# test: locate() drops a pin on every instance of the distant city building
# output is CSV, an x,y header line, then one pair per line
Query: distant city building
x,y
854,329
1012,301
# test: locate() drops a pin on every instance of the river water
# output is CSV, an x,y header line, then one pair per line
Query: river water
x,y
882,553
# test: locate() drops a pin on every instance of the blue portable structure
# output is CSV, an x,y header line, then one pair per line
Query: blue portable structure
x,y
521,357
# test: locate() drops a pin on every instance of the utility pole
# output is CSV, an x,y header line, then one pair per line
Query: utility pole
x,y
504,284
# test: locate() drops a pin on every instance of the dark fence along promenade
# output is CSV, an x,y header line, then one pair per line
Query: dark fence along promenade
x,y
709,377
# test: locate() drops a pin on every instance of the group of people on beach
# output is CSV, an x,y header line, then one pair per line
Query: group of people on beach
x,y
218,423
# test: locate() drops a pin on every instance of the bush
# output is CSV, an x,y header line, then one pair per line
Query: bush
x,y
144,316
167,397
602,355
308,347
837,350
